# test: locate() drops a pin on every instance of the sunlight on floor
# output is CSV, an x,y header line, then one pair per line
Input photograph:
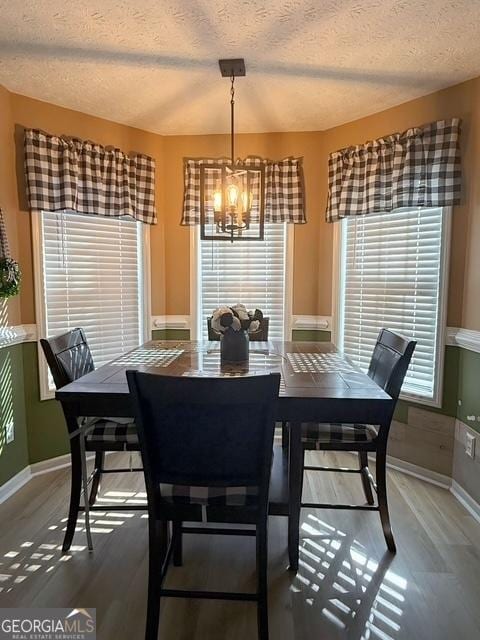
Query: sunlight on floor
x,y
353,592
28,559
346,589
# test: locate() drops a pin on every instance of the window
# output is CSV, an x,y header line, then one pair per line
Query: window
x,y
91,277
393,275
253,273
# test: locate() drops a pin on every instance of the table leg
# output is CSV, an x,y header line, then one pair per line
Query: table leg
x,y
295,486
86,501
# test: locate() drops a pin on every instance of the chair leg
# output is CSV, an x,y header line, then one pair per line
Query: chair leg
x,y
382,498
177,543
367,487
156,555
99,464
75,490
262,588
295,482
285,436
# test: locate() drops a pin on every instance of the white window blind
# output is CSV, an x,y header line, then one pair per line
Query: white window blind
x,y
392,278
92,276
250,272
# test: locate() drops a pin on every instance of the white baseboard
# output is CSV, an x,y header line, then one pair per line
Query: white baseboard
x,y
417,472
45,466
466,500
14,484
37,469
52,464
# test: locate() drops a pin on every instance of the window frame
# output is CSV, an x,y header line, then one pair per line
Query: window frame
x,y
39,289
195,265
338,282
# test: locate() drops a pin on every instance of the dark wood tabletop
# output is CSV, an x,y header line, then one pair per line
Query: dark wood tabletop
x,y
318,384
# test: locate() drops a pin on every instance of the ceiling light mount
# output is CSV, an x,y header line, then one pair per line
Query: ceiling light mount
x,y
232,67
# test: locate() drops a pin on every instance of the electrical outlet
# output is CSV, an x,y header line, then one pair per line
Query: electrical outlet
x,y
10,432
470,445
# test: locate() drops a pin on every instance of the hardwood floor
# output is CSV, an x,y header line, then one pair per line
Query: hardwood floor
x,y
347,587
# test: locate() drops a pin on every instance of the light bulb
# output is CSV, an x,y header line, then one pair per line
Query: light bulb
x,y
232,195
217,201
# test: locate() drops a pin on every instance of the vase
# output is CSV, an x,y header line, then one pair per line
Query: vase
x,y
234,346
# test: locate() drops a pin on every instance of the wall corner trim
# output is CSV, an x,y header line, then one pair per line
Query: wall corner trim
x,y
17,334
465,338
315,323
466,500
170,322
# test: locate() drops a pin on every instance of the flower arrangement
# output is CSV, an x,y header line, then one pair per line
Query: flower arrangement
x,y
236,318
10,274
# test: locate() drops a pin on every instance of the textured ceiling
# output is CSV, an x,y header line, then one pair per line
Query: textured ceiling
x,y
311,64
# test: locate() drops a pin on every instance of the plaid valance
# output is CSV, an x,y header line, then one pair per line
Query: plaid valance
x,y
284,190
417,168
67,173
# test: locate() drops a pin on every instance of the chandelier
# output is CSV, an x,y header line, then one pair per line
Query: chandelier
x,y
232,192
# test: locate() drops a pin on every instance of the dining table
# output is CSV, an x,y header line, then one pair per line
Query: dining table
x,y
318,384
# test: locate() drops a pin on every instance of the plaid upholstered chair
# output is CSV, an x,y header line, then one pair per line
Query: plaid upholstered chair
x,y
206,447
388,366
69,358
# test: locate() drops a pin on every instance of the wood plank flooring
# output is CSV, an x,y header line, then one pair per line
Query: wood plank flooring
x,y
347,586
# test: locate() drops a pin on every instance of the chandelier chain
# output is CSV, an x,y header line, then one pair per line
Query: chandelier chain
x,y
232,119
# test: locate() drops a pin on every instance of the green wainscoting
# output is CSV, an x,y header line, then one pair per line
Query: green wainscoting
x,y
13,456
298,335
310,335
171,334
47,432
450,389
469,388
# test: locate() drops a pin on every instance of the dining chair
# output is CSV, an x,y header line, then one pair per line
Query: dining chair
x,y
69,358
261,335
206,447
388,366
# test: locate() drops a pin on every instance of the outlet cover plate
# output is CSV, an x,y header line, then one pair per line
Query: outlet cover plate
x,y
10,432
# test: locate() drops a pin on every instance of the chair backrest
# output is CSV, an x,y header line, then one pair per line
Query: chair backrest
x,y
68,357
390,360
205,431
261,335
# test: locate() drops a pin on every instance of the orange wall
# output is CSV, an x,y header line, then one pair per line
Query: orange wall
x,y
313,241
312,249
8,203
